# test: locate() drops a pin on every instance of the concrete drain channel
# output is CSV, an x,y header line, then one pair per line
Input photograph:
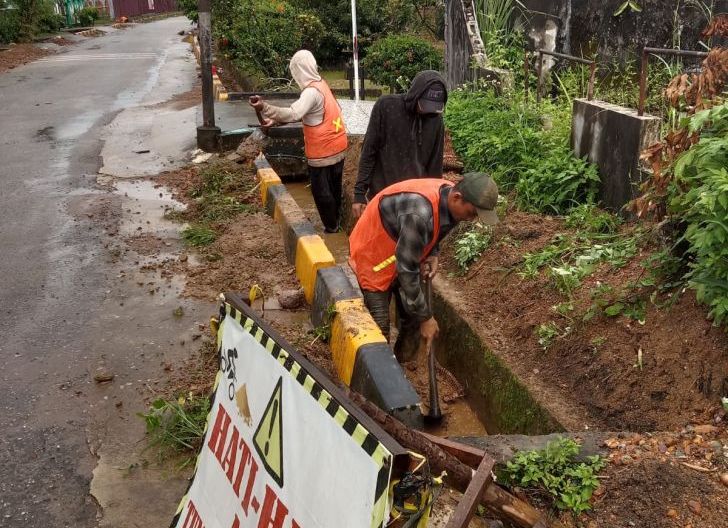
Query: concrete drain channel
x,y
495,401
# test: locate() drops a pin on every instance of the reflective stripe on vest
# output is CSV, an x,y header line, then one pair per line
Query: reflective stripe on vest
x,y
387,262
372,250
328,138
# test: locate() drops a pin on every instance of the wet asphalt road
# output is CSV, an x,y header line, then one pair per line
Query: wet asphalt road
x,y
57,279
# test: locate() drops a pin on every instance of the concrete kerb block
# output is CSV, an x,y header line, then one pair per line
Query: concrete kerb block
x,y
379,377
218,89
312,254
351,328
267,178
273,193
261,162
196,48
293,223
332,285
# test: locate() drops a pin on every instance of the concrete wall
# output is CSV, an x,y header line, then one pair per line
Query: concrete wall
x,y
581,27
612,137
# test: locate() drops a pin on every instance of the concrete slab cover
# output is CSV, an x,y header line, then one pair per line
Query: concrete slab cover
x,y
356,115
612,137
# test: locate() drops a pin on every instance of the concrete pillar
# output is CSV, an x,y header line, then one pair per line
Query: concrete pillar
x,y
612,137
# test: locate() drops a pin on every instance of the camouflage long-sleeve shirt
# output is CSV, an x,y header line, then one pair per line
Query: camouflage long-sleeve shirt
x,y
408,219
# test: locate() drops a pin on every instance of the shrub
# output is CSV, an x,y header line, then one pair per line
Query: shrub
x,y
506,137
28,18
9,26
470,245
189,8
557,184
394,60
51,22
374,18
699,196
87,16
555,470
261,37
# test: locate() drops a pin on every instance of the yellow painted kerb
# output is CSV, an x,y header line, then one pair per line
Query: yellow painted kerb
x,y
352,327
267,177
311,255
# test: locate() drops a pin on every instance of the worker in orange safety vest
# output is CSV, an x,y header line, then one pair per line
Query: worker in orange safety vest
x,y
324,135
395,244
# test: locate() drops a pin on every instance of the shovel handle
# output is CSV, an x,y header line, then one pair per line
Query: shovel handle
x,y
434,413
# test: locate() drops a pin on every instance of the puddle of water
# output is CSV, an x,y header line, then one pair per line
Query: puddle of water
x,y
459,419
144,208
338,244
272,312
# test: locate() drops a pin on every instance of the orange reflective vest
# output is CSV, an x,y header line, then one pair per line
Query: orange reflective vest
x,y
328,137
372,250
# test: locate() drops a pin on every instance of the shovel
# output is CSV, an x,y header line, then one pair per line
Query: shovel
x,y
434,415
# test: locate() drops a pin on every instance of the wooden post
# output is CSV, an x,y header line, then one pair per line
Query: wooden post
x,y
473,494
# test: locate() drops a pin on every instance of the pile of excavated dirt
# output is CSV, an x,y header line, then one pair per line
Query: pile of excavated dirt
x,y
19,54
181,101
248,252
664,479
252,146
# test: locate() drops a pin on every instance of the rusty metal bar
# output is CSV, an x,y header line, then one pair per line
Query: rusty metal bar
x,y
565,56
644,68
592,77
678,53
592,71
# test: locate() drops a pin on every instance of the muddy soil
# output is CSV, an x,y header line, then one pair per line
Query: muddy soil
x,y
19,54
664,480
248,251
593,368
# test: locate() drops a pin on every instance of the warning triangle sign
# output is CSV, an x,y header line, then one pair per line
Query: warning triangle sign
x,y
268,438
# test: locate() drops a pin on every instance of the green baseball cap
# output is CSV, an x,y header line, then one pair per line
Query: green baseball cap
x,y
480,190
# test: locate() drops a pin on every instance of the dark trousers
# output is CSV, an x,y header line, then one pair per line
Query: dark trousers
x,y
408,336
326,190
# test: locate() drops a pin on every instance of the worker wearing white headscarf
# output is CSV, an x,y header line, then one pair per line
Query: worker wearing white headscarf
x,y
323,131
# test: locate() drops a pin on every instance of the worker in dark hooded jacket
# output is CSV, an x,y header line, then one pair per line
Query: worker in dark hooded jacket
x,y
405,138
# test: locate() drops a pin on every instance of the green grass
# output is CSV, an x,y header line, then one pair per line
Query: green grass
x,y
198,235
337,79
177,426
221,194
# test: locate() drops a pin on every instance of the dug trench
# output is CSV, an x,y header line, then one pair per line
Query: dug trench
x,y
589,380
487,318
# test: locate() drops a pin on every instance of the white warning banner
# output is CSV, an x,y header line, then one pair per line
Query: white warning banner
x,y
280,451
